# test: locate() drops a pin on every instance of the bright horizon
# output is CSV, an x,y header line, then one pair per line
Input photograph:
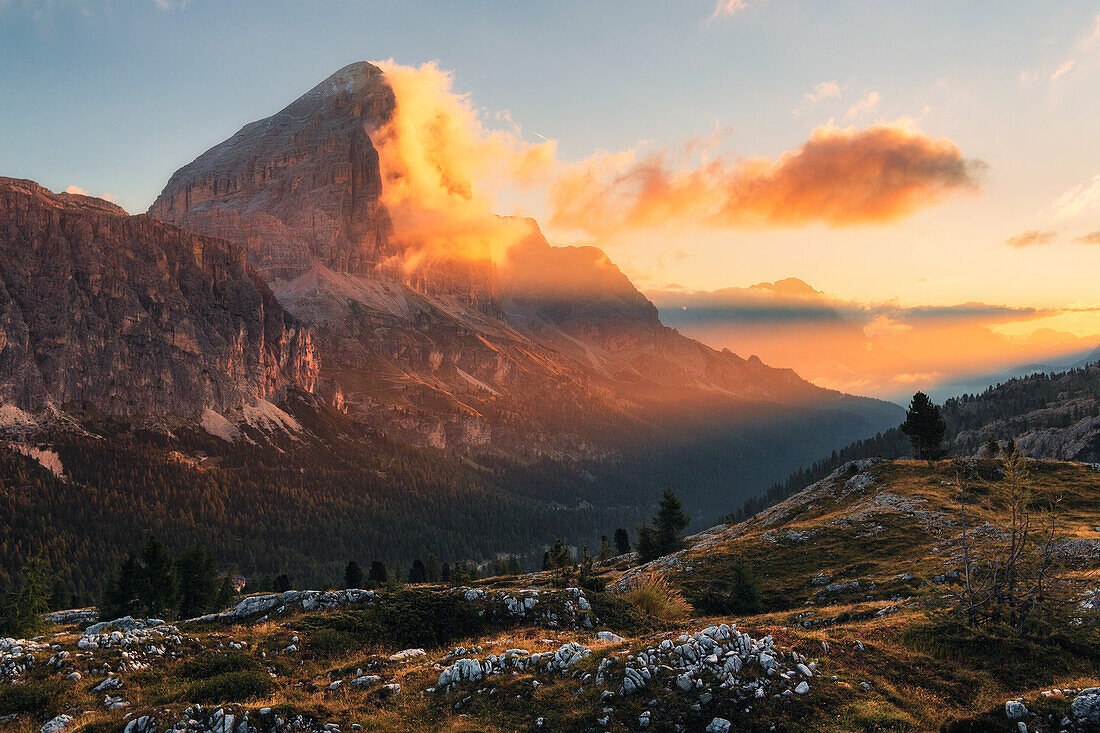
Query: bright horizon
x,y
934,175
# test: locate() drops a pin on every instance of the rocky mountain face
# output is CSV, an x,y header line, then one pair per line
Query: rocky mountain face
x,y
550,350
576,300
299,187
1054,416
132,316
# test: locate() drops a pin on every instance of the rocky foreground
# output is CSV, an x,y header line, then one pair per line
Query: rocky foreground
x,y
852,572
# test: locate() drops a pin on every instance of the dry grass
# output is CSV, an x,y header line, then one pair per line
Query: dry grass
x,y
654,596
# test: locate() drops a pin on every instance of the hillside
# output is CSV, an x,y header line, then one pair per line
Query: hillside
x,y
847,638
1053,416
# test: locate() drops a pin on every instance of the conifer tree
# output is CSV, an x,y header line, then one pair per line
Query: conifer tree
x,y
353,575
606,551
665,534
925,428
224,595
431,565
59,599
158,589
622,541
198,582
378,574
647,543
670,522
22,609
418,572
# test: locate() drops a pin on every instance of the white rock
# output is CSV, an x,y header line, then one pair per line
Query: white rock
x,y
718,725
1086,706
1015,710
802,688
56,725
406,654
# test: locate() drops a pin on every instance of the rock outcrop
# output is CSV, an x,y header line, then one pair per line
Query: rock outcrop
x,y
299,187
132,316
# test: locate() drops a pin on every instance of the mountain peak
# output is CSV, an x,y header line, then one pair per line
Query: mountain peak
x,y
360,81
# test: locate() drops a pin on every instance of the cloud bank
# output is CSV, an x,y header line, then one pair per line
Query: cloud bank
x,y
883,349
840,177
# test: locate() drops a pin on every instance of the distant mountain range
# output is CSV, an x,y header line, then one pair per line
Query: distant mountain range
x,y
979,383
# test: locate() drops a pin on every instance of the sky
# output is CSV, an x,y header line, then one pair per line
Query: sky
x,y
930,170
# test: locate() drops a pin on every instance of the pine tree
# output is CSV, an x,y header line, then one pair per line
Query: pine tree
x,y
198,582
224,595
606,551
746,595
557,557
282,583
670,522
925,428
158,589
993,448
59,598
665,534
353,575
445,573
378,574
648,548
418,573
22,609
431,565
120,592
622,541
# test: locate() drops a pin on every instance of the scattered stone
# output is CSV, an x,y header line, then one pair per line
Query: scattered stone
x,y
1086,705
1015,710
406,654
57,724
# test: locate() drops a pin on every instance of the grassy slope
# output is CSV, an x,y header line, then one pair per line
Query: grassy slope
x,y
870,526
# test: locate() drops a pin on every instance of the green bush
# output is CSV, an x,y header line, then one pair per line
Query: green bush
x,y
212,664
409,618
329,642
239,686
32,697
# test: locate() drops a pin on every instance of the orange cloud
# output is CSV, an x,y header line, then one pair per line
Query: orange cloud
x,y
840,177
729,7
440,166
1031,238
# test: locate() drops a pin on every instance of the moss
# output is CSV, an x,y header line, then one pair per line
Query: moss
x,y
409,618
211,664
39,697
239,686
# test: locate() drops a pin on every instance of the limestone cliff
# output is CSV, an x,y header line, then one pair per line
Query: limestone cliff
x,y
132,316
